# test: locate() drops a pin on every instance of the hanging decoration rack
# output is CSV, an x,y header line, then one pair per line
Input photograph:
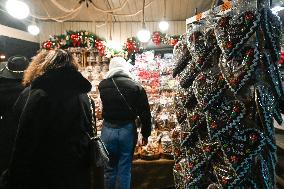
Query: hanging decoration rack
x,y
219,10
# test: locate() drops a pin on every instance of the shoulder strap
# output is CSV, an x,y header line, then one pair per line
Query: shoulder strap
x,y
93,121
129,107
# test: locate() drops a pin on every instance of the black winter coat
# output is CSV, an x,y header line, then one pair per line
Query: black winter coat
x,y
9,92
51,149
115,109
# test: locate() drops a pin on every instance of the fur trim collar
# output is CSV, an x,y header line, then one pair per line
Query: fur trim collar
x,y
63,81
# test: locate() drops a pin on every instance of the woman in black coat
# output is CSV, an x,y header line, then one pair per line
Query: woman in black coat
x,y
51,150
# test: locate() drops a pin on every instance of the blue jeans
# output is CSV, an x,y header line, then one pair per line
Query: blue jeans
x,y
119,142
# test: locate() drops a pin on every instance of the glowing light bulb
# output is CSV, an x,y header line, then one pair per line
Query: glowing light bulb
x,y
144,35
17,9
164,25
33,29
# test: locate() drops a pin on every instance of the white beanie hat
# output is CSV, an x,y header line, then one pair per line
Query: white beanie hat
x,y
119,62
119,66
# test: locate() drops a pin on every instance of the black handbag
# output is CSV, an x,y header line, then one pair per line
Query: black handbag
x,y
99,153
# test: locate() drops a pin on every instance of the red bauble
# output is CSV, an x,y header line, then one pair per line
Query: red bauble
x,y
249,52
249,16
190,165
47,45
100,46
229,45
214,125
253,137
75,40
225,180
194,118
173,42
236,109
234,159
131,46
233,81
156,38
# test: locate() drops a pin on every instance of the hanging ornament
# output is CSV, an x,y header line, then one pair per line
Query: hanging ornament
x,y
76,40
131,45
99,45
156,38
173,41
47,45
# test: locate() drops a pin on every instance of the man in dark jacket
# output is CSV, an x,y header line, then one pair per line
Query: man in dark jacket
x,y
11,74
123,100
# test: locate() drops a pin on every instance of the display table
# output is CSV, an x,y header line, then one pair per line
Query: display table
x,y
156,174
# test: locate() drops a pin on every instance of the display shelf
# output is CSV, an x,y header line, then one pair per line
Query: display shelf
x,y
87,56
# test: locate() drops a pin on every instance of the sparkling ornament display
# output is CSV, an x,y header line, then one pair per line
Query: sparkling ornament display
x,y
226,102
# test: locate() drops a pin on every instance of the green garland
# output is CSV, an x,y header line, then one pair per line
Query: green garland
x,y
82,38
87,39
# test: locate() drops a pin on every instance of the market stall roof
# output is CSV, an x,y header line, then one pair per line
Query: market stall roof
x,y
122,10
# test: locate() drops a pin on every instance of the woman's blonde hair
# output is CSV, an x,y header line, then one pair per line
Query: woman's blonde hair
x,y
46,61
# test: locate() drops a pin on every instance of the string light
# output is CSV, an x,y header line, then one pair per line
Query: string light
x,y
2,57
144,34
33,29
17,9
164,25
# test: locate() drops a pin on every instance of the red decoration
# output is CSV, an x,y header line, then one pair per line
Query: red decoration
x,y
249,52
47,45
131,45
249,16
202,77
173,42
178,167
253,137
100,46
233,81
234,159
214,125
236,109
194,118
156,38
75,40
190,165
281,61
225,180
207,149
229,45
